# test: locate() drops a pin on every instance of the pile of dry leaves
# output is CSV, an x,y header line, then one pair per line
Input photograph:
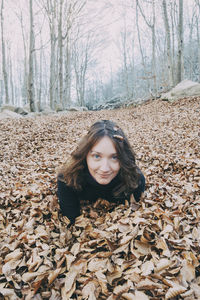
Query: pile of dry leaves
x,y
134,252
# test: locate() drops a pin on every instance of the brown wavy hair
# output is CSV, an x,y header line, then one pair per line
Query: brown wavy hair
x,y
72,173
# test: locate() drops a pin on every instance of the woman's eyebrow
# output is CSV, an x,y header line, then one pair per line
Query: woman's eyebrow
x,y
93,151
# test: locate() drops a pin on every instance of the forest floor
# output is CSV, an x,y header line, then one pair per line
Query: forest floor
x,y
149,251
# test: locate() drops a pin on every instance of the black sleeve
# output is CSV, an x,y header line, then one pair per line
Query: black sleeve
x,y
68,201
140,189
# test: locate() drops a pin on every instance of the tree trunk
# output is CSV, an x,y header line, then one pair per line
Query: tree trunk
x,y
198,43
81,58
180,44
198,36
25,75
190,64
12,98
40,83
125,63
169,51
172,8
36,80
140,46
153,62
52,80
60,49
52,73
67,93
31,50
5,75
1,92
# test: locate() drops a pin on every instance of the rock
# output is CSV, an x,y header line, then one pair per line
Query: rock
x,y
115,99
34,114
63,112
46,110
9,114
113,103
77,108
8,107
185,88
84,108
134,102
12,108
21,111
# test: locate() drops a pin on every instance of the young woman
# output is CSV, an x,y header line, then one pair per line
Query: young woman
x,y
102,166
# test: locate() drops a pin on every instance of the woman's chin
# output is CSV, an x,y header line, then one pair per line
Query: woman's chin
x,y
103,180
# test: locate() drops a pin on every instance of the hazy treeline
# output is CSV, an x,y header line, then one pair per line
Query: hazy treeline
x,y
53,52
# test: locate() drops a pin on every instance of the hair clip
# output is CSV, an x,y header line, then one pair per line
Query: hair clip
x,y
118,137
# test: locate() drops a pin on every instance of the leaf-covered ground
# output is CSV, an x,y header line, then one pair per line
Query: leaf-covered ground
x,y
149,251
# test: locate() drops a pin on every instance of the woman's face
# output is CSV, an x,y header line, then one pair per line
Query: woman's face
x,y
102,161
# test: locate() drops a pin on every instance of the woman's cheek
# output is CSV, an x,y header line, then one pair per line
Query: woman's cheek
x,y
115,165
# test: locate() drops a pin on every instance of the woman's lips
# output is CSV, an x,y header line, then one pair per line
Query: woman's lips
x,y
104,175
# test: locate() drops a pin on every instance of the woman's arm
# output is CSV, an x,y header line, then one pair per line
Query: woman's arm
x,y
140,189
68,200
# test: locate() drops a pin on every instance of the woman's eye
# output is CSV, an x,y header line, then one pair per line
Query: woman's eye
x,y
96,156
114,157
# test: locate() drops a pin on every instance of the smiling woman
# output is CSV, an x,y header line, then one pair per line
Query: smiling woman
x,y
102,166
102,161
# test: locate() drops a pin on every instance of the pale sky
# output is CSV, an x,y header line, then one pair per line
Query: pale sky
x,y
105,15
108,24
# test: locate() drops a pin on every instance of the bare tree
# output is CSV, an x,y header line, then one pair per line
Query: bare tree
x,y
60,52
31,57
40,75
10,75
80,63
62,17
69,21
173,21
124,38
198,34
68,71
180,44
140,46
38,70
25,76
151,25
4,68
51,12
169,50
83,58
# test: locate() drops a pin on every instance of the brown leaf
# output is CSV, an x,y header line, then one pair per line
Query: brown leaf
x,y
102,281
15,255
175,291
88,291
53,275
136,296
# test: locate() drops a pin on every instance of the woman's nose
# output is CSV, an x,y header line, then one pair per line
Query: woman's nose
x,y
105,165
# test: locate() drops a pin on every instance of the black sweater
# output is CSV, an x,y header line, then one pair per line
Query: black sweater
x,y
69,198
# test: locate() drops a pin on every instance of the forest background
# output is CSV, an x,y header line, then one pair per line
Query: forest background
x,y
85,52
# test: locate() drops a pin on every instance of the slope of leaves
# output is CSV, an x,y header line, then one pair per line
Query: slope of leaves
x,y
145,251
